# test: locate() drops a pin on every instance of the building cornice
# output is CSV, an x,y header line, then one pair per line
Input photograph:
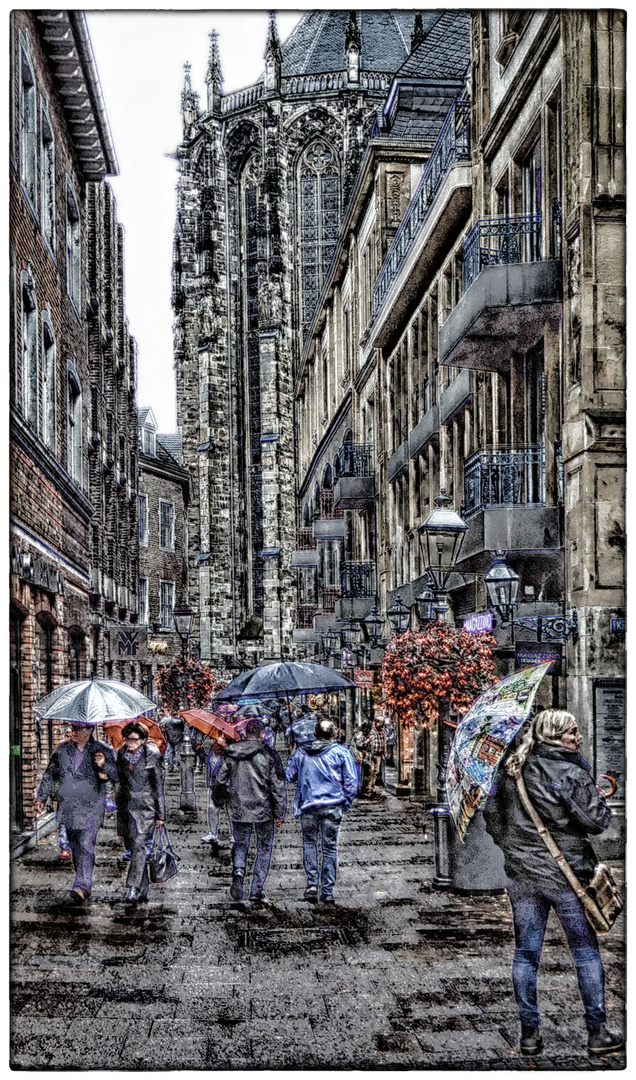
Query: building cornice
x,y
44,459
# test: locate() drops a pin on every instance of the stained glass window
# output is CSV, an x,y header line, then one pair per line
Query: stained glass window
x,y
319,221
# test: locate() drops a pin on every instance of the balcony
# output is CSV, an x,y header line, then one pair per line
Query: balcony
x,y
439,207
505,504
457,394
305,616
358,580
329,595
425,430
355,484
331,524
306,553
510,293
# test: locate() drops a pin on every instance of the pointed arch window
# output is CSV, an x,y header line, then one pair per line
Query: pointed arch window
x,y
48,381
28,122
30,363
319,220
74,413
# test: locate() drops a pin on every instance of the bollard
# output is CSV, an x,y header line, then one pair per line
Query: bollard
x,y
188,800
442,877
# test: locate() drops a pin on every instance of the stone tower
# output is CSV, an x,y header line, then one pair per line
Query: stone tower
x,y
265,175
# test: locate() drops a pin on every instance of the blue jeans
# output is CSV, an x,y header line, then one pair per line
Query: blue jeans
x,y
264,841
325,820
530,913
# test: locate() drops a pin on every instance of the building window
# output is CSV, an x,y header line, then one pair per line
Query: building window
x,y
48,382
74,420
75,654
166,525
166,603
28,135
143,520
148,442
47,166
30,364
319,220
73,248
143,601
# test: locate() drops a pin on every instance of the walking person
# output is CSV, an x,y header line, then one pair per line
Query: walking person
x,y
359,749
326,785
219,744
140,803
559,783
251,781
301,731
173,728
76,776
376,751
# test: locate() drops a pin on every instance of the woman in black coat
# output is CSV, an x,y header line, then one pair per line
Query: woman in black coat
x,y
559,783
140,803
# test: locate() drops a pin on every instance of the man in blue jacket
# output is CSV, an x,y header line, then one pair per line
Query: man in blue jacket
x,y
326,785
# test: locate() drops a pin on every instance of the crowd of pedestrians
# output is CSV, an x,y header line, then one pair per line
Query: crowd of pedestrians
x,y
246,785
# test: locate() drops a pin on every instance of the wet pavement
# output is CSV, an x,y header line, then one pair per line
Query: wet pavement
x,y
395,975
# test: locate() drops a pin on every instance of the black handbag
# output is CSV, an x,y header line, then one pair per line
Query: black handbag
x,y
162,861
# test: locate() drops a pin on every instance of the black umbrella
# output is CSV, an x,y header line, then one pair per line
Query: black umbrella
x,y
283,679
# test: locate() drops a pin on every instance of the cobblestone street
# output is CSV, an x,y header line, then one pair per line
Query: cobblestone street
x,y
396,976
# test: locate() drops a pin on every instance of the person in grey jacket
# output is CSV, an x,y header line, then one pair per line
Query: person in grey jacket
x,y
250,779
76,776
559,783
140,803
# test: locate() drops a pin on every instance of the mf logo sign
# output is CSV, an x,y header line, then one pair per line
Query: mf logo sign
x,y
129,644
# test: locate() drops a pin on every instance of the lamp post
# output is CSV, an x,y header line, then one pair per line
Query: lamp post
x,y
399,616
182,617
502,586
374,624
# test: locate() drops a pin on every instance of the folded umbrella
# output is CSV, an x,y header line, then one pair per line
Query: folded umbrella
x,y
94,701
482,737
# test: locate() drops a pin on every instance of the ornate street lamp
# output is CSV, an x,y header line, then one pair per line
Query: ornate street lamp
x,y
425,605
502,586
399,616
441,538
332,640
351,632
375,625
182,616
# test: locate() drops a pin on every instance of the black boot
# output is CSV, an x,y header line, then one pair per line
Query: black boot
x,y
602,1041
531,1041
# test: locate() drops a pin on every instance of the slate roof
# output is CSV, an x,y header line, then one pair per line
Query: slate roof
x,y
173,444
317,43
445,51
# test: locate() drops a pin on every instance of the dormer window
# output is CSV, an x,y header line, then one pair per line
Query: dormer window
x,y
148,441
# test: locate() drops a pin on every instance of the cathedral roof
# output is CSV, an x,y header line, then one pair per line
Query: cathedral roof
x,y
445,51
317,43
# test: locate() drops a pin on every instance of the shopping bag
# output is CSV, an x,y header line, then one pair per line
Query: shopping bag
x,y
162,861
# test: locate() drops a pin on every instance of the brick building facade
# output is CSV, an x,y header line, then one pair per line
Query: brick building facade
x,y
164,496
73,377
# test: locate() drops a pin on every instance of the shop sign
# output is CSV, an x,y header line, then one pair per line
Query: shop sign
x,y
364,678
617,626
477,624
528,653
609,732
128,643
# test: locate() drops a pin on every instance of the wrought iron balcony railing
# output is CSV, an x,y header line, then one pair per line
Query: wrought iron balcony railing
x,y
305,616
507,476
453,144
358,580
329,594
355,459
497,241
305,540
327,509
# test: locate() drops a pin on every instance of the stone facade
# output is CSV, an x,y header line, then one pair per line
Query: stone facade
x,y
482,352
164,495
265,176
73,374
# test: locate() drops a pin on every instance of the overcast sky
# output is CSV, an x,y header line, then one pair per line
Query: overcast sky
x,y
140,57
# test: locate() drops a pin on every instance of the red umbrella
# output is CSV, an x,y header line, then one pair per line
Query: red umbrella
x,y
113,729
210,723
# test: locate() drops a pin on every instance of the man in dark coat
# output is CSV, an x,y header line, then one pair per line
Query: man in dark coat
x,y
251,781
140,803
79,784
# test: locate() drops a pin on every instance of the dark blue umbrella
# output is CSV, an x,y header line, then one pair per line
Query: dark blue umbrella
x,y
284,679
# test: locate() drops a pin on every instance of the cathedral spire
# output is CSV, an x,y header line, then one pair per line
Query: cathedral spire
x,y
417,37
352,48
273,57
189,100
214,78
